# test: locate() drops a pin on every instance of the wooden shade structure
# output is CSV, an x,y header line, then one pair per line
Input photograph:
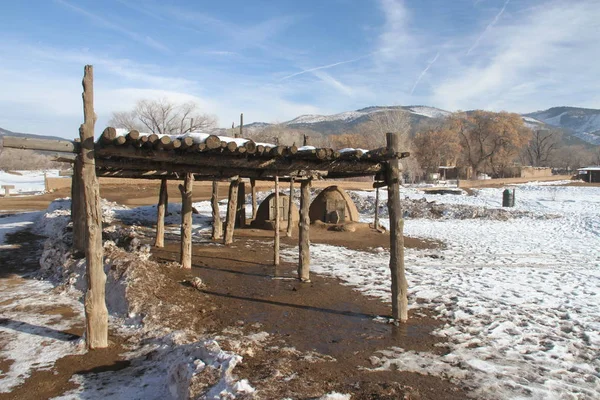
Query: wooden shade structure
x,y
200,156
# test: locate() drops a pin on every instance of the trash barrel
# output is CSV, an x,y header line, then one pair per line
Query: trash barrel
x,y
508,198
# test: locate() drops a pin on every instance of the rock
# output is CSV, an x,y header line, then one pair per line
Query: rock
x,y
197,283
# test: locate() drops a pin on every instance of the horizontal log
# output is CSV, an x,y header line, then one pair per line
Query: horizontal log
x,y
133,135
285,164
61,146
108,135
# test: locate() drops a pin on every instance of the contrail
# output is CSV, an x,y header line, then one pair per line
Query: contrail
x,y
490,26
324,67
425,71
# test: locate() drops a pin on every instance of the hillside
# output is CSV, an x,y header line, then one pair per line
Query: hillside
x,y
583,123
338,123
6,132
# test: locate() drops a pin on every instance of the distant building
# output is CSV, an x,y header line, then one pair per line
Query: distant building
x,y
535,172
590,174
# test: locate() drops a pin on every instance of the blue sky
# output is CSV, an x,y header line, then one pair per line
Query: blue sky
x,y
275,60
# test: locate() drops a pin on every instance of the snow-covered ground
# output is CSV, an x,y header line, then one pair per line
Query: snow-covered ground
x,y
518,290
520,296
30,182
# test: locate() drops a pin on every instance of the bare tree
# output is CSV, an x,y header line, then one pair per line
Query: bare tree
x,y
488,138
164,117
285,135
541,146
569,158
17,159
396,121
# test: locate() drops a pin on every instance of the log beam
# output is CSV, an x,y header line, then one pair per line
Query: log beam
x,y
376,219
399,284
303,235
96,314
60,146
277,224
163,199
288,232
217,226
78,215
186,221
254,203
240,212
231,211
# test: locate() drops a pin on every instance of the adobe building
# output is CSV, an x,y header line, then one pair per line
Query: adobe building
x,y
333,206
265,215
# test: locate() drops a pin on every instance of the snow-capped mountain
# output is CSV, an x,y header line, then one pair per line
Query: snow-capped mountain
x,y
343,121
583,123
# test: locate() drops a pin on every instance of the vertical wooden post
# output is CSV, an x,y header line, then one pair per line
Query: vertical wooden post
x,y
241,125
399,284
240,211
96,314
376,219
231,208
254,205
78,215
163,199
277,224
306,140
186,221
217,227
303,235
290,204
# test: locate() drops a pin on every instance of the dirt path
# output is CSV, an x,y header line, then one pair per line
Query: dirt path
x,y
243,289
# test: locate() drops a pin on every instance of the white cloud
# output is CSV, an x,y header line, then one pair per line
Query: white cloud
x,y
105,23
529,60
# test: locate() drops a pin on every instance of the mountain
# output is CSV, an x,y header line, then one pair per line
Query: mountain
x,y
338,123
6,132
583,123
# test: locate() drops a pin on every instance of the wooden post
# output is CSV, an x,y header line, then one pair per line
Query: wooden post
x,y
78,214
96,314
240,211
277,222
186,221
254,205
376,219
290,204
231,208
241,125
163,199
303,235
399,284
217,228
306,140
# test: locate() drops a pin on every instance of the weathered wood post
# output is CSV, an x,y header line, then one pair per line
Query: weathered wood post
x,y
217,227
242,125
290,204
186,220
254,205
303,235
96,314
240,210
399,284
163,199
78,215
277,224
231,208
376,219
